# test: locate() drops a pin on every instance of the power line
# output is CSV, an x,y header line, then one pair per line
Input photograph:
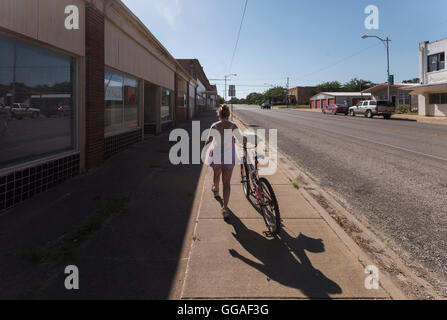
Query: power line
x,y
338,62
238,35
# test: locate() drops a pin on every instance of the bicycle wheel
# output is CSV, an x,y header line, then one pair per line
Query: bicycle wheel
x,y
245,180
270,208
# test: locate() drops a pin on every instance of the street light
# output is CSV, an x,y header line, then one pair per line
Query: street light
x,y
387,40
226,77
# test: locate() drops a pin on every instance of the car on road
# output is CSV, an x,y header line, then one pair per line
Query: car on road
x,y
64,110
21,110
265,105
371,108
336,108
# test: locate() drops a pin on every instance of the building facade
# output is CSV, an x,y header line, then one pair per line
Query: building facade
x,y
323,99
72,98
432,91
399,97
300,95
206,93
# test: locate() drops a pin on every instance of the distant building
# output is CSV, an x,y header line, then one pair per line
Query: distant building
x,y
323,99
206,94
300,95
398,96
432,91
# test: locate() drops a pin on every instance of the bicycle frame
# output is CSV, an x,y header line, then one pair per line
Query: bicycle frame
x,y
262,190
253,174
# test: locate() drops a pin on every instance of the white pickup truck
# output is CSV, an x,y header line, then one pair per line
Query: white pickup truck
x,y
371,108
21,110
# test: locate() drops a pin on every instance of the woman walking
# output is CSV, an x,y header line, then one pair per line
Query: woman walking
x,y
223,162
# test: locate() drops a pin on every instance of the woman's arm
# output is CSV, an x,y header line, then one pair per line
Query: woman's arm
x,y
239,134
210,137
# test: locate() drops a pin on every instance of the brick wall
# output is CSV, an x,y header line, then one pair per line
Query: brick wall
x,y
94,93
304,94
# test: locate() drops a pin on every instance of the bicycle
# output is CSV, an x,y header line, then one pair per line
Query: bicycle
x,y
262,191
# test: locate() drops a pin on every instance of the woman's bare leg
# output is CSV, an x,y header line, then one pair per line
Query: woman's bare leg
x,y
217,173
226,179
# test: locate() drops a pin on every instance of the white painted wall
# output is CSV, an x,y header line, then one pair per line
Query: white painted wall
x,y
125,54
425,50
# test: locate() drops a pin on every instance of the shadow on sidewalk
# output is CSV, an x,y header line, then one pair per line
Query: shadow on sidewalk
x,y
284,260
136,252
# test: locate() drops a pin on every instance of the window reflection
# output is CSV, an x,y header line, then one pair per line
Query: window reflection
x,y
166,109
121,101
36,101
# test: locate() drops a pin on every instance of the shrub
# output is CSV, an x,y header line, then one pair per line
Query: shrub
x,y
403,109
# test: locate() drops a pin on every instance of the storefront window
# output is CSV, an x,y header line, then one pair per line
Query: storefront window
x,y
121,101
166,108
36,101
404,99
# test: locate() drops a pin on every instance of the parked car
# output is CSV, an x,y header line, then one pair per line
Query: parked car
x,y
64,110
371,108
21,110
336,108
4,111
265,105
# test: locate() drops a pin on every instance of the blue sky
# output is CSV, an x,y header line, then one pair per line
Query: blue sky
x,y
308,41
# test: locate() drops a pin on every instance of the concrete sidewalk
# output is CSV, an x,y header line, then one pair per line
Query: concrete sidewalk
x,y
421,119
167,239
235,260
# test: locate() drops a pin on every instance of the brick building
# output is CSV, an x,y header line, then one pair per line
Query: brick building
x,y
72,98
300,95
206,94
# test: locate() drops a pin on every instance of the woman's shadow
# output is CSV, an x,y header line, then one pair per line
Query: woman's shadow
x,y
284,260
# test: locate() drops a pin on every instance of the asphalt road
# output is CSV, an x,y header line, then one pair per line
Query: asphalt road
x,y
393,172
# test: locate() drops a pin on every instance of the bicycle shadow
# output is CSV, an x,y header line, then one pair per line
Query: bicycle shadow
x,y
284,259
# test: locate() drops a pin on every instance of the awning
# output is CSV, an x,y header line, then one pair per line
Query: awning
x,y
427,88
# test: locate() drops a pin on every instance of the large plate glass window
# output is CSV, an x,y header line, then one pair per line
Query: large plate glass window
x,y
36,101
121,101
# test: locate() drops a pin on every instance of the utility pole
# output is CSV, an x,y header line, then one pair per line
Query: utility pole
x,y
287,93
225,79
387,41
388,66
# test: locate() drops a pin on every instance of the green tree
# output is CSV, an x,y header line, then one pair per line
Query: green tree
x,y
276,94
254,98
329,86
414,80
356,85
220,100
234,100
